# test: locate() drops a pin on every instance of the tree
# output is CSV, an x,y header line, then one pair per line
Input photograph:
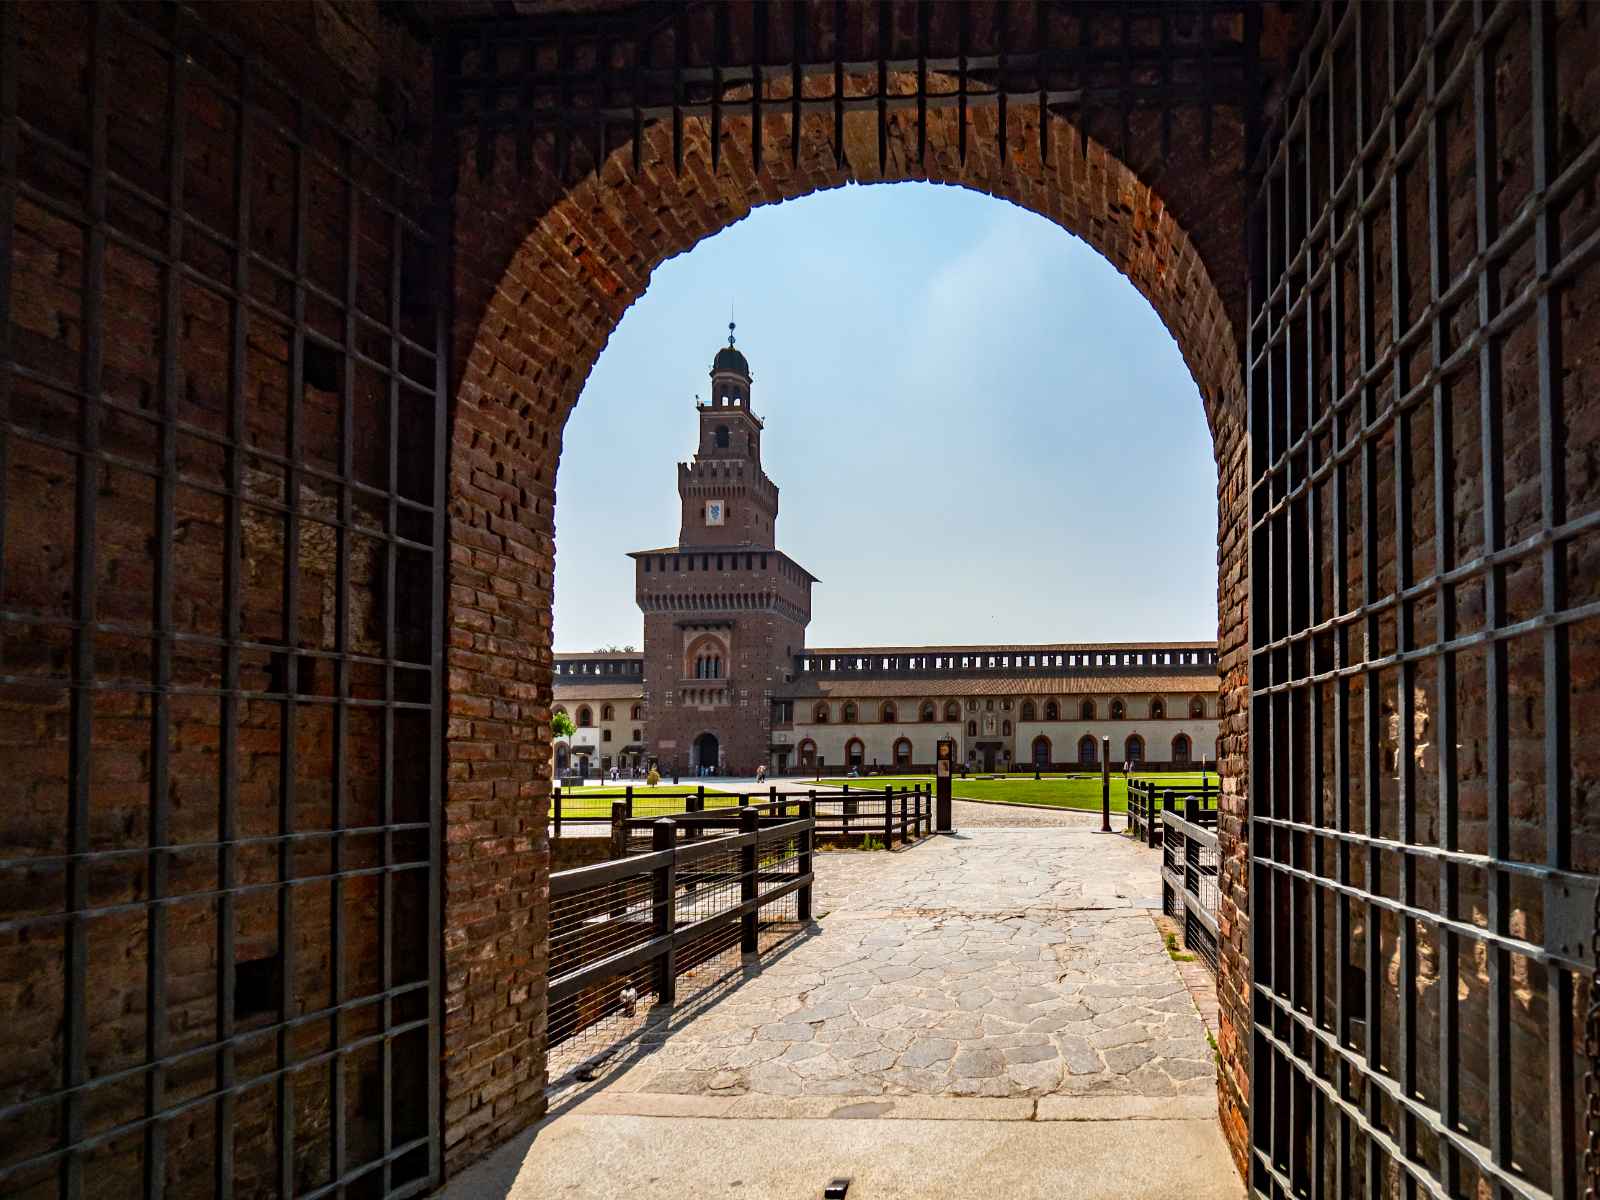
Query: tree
x,y
561,725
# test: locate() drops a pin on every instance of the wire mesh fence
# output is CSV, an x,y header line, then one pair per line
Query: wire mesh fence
x,y
629,936
1189,865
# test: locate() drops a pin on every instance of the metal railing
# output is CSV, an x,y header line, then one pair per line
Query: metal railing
x,y
1147,801
624,932
1189,866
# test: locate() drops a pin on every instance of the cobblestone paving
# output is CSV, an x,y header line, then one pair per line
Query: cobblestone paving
x,y
999,962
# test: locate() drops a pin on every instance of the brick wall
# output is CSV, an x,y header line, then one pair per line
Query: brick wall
x,y
152,751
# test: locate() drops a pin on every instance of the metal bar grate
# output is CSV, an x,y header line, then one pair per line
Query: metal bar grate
x,y
590,82
1422,874
221,456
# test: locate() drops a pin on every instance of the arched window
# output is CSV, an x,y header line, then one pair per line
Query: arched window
x,y
854,752
849,716
1086,711
1028,711
820,716
808,753
722,435
1180,748
902,752
887,712
972,729
636,735
1158,709
927,711
585,717
1197,707
1119,710
1005,728
1052,711
1133,748
607,713
638,714
1041,751
1088,751
952,711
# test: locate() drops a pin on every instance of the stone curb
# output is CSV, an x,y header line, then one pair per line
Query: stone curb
x,y
898,1108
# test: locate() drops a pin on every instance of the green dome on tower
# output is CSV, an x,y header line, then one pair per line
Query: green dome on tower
x,y
730,359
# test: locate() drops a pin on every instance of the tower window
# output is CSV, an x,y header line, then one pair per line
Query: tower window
x,y
722,437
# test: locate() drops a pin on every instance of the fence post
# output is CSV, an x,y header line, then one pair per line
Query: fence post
x,y
905,836
808,813
619,829
1167,805
772,798
663,907
692,829
619,849
700,797
627,798
750,823
555,810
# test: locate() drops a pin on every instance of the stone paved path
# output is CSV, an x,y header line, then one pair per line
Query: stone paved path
x,y
1002,974
1003,963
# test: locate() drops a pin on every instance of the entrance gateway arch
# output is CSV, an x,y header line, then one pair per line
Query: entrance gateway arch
x,y
296,300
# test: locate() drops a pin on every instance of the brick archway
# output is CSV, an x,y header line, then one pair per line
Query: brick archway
x,y
542,276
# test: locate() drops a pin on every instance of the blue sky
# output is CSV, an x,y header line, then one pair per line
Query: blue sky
x,y
979,430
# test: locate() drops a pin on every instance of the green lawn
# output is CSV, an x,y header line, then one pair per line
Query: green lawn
x,y
647,801
1061,792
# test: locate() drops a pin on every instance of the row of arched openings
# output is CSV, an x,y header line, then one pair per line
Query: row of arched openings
x,y
585,715
1133,749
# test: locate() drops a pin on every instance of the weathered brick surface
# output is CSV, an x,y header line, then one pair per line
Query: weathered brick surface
x,y
342,60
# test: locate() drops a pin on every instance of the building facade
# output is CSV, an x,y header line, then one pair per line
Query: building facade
x,y
725,682
603,693
883,708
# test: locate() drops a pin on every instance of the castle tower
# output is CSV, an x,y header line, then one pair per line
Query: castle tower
x,y
725,611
